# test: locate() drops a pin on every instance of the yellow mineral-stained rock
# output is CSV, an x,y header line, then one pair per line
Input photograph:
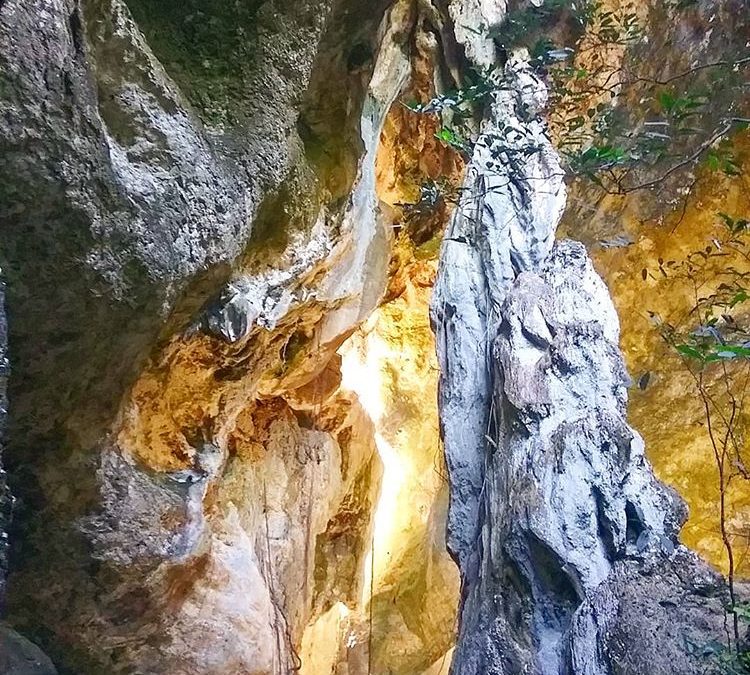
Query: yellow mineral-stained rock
x,y
411,583
665,404
223,230
648,230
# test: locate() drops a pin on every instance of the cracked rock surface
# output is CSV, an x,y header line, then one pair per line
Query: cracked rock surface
x,y
567,543
191,231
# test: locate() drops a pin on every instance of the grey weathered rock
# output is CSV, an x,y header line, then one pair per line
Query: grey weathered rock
x,y
6,499
655,617
190,228
503,226
568,545
158,160
576,531
18,656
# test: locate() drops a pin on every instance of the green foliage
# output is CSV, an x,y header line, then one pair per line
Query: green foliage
x,y
720,333
616,27
734,225
723,158
598,140
727,660
456,109
708,351
456,99
733,661
451,138
680,107
597,158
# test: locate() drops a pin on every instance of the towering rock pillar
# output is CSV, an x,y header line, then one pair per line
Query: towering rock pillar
x,y
568,545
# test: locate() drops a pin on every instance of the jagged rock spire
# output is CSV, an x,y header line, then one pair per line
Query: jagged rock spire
x,y
558,524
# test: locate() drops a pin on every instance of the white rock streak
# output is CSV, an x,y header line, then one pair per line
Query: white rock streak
x,y
513,199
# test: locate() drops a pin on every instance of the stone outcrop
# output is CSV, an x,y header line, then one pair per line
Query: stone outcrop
x,y
220,436
18,656
485,246
576,533
195,481
183,260
6,500
559,526
626,234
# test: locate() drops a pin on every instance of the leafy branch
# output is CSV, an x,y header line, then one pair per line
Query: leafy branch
x,y
713,345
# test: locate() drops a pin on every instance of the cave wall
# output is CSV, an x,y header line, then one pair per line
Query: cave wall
x,y
18,656
5,499
222,363
197,482
183,259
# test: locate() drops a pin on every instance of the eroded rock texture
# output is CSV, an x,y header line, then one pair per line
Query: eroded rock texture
x,y
190,231
628,233
210,478
6,501
18,656
193,228
560,528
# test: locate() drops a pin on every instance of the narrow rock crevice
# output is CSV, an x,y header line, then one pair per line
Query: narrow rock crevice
x,y
277,403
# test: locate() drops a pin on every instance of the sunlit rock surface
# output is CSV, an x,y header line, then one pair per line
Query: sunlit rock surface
x,y
664,404
410,580
193,457
224,427
504,225
184,461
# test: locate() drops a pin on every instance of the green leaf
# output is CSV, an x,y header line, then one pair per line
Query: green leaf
x,y
666,101
690,352
446,135
742,296
733,351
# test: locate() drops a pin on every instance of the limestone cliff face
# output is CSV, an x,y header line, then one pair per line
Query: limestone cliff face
x,y
18,656
669,221
225,435
198,479
6,502
184,259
